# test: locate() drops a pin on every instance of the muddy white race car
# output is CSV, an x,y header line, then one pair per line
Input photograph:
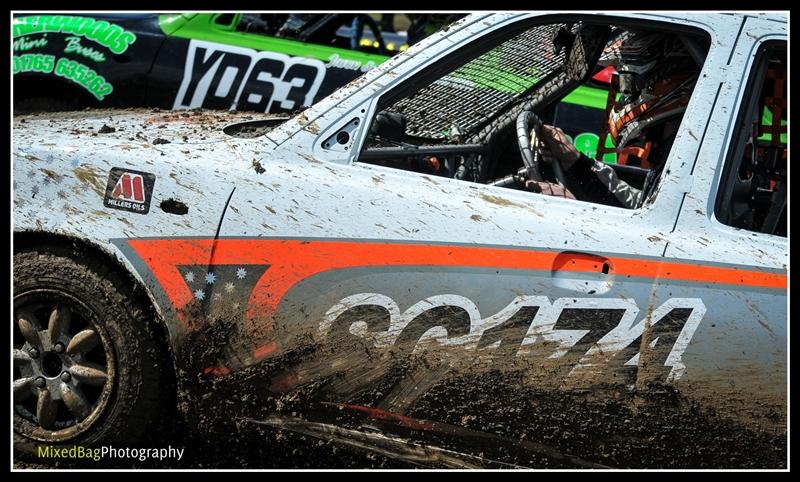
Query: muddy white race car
x,y
378,271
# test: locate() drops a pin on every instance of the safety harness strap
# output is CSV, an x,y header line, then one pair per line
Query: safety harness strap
x,y
776,103
613,88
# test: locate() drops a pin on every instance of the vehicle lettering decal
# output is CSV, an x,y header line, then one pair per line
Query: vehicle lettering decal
x,y
336,61
84,76
23,44
225,77
583,333
294,260
109,35
73,44
129,190
33,63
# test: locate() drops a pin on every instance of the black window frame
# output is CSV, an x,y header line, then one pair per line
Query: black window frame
x,y
741,133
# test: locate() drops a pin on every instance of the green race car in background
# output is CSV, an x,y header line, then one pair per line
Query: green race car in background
x,y
277,63
192,60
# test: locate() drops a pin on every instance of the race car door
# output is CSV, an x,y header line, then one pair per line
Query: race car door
x,y
480,269
734,220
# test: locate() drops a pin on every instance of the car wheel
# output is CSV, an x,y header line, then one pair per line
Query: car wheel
x,y
88,365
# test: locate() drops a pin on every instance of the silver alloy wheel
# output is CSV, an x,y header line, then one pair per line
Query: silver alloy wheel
x,y
63,365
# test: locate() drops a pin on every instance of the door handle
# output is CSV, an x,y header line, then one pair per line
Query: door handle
x,y
582,272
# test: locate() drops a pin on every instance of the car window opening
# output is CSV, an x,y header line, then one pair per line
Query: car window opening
x,y
754,191
604,101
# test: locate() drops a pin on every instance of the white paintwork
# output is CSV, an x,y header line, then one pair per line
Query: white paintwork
x,y
308,191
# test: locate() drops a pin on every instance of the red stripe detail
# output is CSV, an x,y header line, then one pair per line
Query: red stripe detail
x,y
283,384
604,76
138,189
219,371
126,186
265,350
379,414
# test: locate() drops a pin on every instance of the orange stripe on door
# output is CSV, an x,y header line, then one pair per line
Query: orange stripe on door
x,y
292,261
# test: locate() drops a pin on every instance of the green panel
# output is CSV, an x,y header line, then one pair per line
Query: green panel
x,y
766,120
201,26
611,157
170,23
586,143
588,97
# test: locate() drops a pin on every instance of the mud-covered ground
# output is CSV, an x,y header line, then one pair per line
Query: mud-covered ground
x,y
560,429
289,451
299,453
315,408
499,426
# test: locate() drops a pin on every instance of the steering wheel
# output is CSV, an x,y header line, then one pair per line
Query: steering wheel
x,y
358,32
525,122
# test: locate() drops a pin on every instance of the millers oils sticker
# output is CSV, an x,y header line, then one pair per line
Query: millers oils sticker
x,y
129,190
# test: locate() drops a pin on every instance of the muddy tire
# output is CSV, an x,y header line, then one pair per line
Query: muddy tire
x,y
90,367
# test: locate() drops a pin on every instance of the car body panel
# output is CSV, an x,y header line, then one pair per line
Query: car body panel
x,y
71,184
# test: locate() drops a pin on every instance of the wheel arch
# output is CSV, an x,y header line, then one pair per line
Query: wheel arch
x,y
141,295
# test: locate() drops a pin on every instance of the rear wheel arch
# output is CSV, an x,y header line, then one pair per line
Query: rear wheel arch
x,y
100,257
95,288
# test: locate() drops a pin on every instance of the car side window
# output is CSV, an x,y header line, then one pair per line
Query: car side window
x,y
753,190
487,117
